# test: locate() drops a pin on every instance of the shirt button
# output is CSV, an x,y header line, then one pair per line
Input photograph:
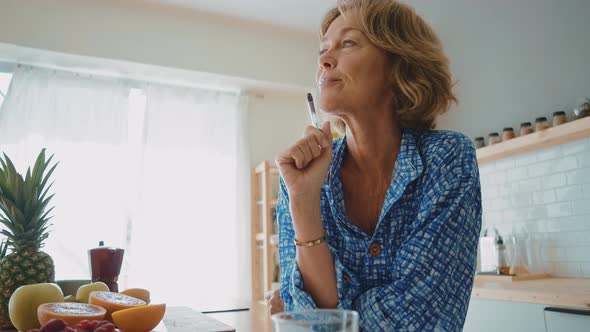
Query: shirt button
x,y
346,277
375,249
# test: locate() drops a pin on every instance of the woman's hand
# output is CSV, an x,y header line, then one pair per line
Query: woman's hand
x,y
276,303
304,166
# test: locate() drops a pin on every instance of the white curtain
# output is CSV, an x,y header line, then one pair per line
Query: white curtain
x,y
83,121
189,222
160,171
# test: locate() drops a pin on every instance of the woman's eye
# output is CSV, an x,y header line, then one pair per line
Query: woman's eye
x,y
347,43
322,51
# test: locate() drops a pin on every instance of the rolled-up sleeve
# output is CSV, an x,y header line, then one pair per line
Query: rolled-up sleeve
x,y
292,291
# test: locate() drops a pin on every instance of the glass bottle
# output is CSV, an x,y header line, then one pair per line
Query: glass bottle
x,y
503,268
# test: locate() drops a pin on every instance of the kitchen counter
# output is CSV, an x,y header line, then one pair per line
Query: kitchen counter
x,y
185,319
571,292
256,319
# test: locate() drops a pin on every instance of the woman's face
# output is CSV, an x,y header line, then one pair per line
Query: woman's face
x,y
353,73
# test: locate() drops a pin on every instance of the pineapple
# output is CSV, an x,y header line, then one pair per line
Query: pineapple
x,y
24,215
3,250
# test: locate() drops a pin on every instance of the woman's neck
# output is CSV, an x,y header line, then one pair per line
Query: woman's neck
x,y
373,140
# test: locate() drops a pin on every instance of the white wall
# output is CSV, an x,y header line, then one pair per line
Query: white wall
x,y
275,122
545,194
513,60
170,37
175,45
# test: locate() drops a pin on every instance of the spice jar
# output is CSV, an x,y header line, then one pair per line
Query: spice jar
x,y
493,138
559,118
507,133
479,142
526,128
541,123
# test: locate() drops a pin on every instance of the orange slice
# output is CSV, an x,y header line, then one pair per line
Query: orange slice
x,y
72,313
138,293
140,319
114,302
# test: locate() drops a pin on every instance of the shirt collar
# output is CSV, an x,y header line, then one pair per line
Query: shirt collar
x,y
408,165
407,168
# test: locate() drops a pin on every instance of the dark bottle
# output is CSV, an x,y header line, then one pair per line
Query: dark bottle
x,y
105,265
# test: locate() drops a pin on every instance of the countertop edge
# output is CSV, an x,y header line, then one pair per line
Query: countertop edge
x,y
542,295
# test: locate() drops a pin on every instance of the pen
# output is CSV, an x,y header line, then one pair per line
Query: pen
x,y
312,113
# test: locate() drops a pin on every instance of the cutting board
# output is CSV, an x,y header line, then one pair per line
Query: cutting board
x,y
184,319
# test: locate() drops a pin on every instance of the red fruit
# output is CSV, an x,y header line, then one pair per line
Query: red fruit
x,y
95,326
53,325
106,328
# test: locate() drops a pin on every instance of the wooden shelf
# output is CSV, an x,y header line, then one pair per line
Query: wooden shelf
x,y
264,243
274,239
272,202
272,170
564,133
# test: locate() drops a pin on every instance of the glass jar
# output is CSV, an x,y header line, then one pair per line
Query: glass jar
x,y
526,128
541,123
559,118
493,138
583,108
507,133
479,142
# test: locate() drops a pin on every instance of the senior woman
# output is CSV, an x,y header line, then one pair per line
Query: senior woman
x,y
384,220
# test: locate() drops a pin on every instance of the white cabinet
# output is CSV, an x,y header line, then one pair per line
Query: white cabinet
x,y
570,320
505,316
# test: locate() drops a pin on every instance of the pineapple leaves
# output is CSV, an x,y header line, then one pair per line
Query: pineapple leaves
x,y
47,176
39,166
3,249
24,202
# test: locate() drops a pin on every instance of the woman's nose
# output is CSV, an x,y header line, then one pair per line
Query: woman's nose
x,y
326,61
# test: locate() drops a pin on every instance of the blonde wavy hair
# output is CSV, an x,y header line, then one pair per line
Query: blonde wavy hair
x,y
422,79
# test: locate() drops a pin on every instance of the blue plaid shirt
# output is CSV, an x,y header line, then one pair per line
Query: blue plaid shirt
x,y
415,273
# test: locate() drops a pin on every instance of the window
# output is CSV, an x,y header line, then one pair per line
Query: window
x,y
4,83
157,170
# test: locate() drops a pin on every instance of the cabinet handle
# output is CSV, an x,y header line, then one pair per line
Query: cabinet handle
x,y
569,311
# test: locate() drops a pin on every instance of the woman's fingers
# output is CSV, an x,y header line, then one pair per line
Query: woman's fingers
x,y
308,148
314,146
305,151
276,303
307,154
318,134
298,155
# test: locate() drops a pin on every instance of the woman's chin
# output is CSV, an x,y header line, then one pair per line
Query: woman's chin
x,y
329,105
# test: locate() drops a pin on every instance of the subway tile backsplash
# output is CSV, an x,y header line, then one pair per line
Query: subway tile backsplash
x,y
545,194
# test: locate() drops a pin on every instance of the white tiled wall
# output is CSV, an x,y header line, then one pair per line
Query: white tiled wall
x,y
545,194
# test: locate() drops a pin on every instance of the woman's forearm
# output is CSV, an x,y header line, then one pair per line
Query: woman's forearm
x,y
315,263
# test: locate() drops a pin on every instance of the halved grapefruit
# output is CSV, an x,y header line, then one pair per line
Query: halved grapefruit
x,y
112,302
139,319
70,312
138,293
